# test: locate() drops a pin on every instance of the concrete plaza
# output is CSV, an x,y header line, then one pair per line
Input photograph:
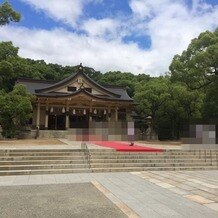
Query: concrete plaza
x,y
139,194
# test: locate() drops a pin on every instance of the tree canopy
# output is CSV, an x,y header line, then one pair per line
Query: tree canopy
x,y
7,14
197,67
15,110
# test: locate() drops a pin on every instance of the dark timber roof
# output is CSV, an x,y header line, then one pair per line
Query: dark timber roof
x,y
45,88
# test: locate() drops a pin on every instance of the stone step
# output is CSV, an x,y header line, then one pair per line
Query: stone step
x,y
160,160
2,152
84,160
101,165
104,158
42,154
42,162
47,166
45,171
136,169
173,164
20,158
21,162
99,170
100,151
101,160
150,156
103,151
105,155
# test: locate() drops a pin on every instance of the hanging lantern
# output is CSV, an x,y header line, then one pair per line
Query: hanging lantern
x,y
84,111
51,109
74,111
63,110
95,111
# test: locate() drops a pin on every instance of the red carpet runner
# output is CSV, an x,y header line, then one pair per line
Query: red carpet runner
x,y
121,146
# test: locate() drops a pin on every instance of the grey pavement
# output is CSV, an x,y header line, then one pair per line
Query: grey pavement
x,y
148,194
56,200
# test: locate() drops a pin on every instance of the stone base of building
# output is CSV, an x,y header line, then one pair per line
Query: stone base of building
x,y
200,147
53,134
82,135
99,131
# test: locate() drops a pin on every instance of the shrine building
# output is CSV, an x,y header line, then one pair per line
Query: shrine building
x,y
79,105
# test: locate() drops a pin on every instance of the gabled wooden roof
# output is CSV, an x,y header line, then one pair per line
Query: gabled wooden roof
x,y
72,77
43,88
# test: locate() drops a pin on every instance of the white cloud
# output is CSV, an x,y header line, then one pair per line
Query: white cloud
x,y
67,11
107,28
170,24
70,49
140,8
145,8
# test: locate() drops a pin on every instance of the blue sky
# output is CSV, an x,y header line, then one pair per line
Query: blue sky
x,y
138,36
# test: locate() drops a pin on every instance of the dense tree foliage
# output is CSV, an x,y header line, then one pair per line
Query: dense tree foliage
x,y
210,105
7,14
126,80
197,67
15,110
151,96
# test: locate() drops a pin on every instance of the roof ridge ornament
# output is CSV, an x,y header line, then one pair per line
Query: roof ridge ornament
x,y
80,67
82,86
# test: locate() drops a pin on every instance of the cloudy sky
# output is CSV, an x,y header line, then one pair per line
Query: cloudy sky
x,y
138,36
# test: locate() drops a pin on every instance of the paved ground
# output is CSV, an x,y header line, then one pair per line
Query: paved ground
x,y
60,200
200,187
37,142
146,194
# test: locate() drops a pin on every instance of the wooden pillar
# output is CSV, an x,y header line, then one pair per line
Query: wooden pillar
x,y
128,114
38,115
67,117
90,113
116,114
109,114
46,117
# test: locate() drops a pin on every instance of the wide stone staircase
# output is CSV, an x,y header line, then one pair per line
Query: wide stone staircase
x,y
42,161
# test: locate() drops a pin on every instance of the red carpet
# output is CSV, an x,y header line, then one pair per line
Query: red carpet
x,y
121,146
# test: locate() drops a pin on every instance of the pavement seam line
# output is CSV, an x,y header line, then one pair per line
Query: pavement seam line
x,y
122,206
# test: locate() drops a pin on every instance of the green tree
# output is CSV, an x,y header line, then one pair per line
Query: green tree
x,y
197,66
150,97
7,53
15,110
7,50
210,105
182,106
126,80
7,14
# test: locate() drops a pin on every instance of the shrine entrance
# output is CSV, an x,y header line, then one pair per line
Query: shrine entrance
x,y
56,122
79,121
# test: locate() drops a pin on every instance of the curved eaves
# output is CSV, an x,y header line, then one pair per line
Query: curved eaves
x,y
78,92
